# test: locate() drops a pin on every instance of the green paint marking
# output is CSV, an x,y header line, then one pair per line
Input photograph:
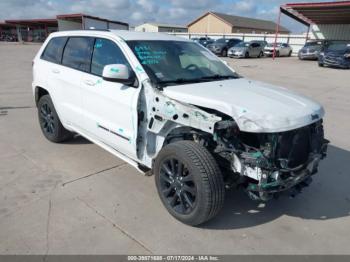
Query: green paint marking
x,y
139,69
199,114
115,70
99,81
257,154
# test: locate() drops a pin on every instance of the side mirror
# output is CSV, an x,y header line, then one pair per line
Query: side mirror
x,y
119,73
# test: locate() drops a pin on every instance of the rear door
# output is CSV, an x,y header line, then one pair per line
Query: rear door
x,y
109,108
47,71
75,61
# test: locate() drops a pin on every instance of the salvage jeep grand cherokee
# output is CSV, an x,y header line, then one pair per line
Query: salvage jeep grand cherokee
x,y
168,106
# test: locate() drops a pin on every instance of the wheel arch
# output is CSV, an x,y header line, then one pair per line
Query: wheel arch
x,y
39,92
174,133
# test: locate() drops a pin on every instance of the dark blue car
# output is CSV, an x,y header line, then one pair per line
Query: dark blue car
x,y
335,54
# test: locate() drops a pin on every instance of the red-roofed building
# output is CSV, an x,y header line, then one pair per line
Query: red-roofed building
x,y
36,30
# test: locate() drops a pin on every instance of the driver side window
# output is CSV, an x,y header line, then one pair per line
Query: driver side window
x,y
106,53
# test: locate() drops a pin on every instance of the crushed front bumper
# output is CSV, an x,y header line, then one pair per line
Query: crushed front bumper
x,y
286,181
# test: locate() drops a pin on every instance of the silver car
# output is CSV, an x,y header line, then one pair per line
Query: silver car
x,y
246,49
281,49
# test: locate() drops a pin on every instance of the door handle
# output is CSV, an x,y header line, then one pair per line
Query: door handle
x,y
55,71
89,82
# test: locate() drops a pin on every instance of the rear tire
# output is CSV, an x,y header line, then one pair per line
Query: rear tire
x,y
189,182
290,53
246,55
261,54
50,123
320,64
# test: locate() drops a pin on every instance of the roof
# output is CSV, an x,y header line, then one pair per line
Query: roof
x,y
4,24
33,21
124,34
167,25
244,22
80,15
319,13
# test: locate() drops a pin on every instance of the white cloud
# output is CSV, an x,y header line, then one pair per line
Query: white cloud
x,y
244,6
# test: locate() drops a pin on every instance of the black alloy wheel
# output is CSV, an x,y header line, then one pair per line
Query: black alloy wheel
x,y
189,182
47,119
178,186
50,123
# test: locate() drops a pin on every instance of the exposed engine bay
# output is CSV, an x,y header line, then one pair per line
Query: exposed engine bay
x,y
266,164
269,163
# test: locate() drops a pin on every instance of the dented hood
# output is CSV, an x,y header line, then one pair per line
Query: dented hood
x,y
255,106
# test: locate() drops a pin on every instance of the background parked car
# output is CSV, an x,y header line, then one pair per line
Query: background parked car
x,y
246,49
222,45
335,54
8,37
281,50
204,41
310,50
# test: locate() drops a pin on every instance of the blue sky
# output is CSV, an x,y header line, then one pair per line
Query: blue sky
x,y
138,11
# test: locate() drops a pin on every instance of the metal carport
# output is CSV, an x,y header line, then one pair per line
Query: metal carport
x,y
327,20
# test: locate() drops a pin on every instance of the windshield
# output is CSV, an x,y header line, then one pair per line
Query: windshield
x,y
242,44
313,44
277,44
174,62
338,46
221,40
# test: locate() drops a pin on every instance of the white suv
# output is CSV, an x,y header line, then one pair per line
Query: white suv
x,y
168,106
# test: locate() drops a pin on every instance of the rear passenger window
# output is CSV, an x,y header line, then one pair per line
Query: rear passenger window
x,y
106,53
54,49
77,53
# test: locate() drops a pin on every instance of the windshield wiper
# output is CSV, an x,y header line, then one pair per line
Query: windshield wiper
x,y
178,81
196,80
217,77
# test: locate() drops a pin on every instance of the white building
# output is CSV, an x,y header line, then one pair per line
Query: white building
x,y
156,27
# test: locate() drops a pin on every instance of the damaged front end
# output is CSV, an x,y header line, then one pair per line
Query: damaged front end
x,y
267,164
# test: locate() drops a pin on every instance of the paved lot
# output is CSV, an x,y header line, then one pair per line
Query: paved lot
x,y
75,198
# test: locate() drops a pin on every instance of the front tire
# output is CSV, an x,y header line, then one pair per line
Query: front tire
x,y
50,123
189,182
224,53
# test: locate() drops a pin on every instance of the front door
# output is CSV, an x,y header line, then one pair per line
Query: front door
x,y
255,49
109,108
